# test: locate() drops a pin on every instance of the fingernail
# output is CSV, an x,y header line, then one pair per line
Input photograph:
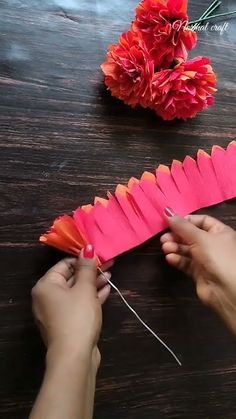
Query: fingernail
x,y
89,251
169,212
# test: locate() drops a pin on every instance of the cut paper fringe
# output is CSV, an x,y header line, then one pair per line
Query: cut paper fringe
x,y
134,213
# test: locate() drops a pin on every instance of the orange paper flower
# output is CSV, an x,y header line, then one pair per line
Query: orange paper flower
x,y
184,91
129,70
163,24
65,236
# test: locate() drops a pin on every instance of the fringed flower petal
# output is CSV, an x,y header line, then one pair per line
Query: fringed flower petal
x,y
65,236
163,25
129,70
185,90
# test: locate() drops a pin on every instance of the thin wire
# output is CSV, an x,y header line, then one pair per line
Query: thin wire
x,y
139,318
212,17
211,8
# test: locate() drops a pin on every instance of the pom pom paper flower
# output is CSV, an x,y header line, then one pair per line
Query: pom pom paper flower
x,y
148,65
163,25
129,70
185,90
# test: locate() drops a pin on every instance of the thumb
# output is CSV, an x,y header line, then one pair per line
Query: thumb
x,y
185,230
86,269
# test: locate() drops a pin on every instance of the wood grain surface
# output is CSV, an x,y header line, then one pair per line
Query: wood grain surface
x,y
63,139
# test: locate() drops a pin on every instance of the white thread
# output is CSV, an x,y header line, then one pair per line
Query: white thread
x,y
139,318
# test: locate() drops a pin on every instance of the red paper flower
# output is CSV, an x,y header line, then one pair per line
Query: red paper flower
x,y
163,25
129,70
184,91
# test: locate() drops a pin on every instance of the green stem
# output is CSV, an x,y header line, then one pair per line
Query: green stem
x,y
212,17
211,8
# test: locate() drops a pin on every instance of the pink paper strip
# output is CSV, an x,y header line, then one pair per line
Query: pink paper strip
x,y
136,212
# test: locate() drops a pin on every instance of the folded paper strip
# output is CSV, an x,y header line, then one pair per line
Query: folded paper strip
x,y
134,213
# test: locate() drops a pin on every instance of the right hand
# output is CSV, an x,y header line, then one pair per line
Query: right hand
x,y
205,249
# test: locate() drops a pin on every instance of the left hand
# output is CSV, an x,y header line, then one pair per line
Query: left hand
x,y
67,305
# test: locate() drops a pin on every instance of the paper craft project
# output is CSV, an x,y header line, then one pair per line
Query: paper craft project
x,y
135,213
149,65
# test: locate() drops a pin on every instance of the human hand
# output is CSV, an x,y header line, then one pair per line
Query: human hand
x,y
205,249
67,305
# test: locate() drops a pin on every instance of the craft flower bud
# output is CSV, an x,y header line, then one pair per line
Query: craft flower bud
x,y
129,70
185,90
163,25
65,236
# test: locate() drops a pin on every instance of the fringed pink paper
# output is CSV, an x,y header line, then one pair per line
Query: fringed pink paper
x,y
134,213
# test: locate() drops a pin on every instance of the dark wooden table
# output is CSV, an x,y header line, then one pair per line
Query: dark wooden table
x,y
63,139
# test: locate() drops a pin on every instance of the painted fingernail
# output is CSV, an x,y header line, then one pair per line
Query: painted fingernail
x,y
89,251
169,212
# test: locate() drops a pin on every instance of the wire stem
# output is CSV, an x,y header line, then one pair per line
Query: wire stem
x,y
139,318
212,17
211,8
